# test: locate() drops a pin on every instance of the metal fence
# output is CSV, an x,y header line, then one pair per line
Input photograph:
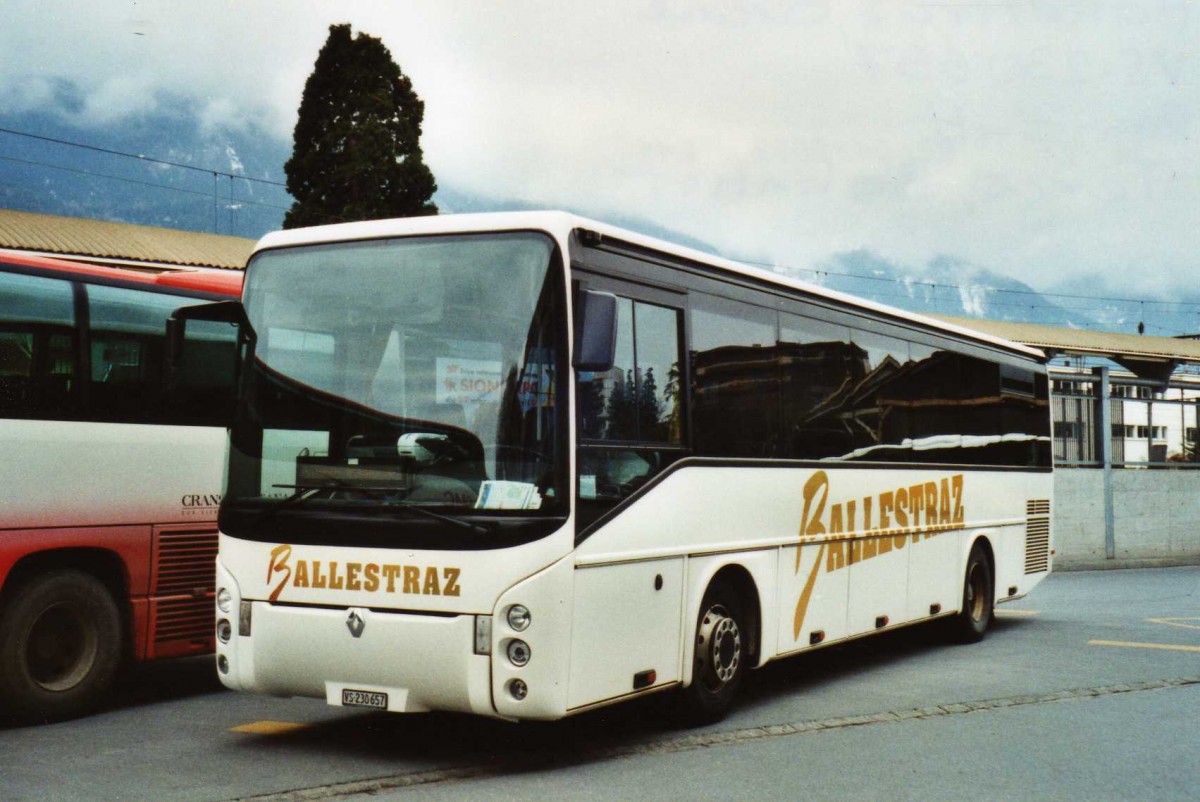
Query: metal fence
x,y
1101,420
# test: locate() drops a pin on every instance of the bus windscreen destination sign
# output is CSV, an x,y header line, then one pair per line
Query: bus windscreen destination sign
x,y
468,381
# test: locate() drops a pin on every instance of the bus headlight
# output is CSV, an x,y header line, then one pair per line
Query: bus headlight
x,y
224,630
518,652
224,600
519,617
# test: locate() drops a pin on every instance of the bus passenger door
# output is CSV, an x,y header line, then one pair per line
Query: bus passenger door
x,y
629,424
630,419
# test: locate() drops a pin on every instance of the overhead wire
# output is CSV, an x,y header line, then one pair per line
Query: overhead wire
x,y
152,160
106,176
816,272
140,157
909,282
959,287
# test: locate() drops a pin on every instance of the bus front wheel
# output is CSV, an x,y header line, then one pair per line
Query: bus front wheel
x,y
973,620
60,646
720,660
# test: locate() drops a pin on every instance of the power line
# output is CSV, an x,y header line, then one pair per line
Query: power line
x,y
814,271
959,287
139,157
92,174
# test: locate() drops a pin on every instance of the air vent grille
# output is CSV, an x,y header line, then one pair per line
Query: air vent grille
x,y
184,561
1037,536
184,619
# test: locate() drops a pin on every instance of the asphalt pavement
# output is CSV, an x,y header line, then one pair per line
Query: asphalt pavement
x,y
1086,689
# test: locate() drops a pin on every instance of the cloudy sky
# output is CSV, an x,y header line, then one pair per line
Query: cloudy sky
x,y
1052,142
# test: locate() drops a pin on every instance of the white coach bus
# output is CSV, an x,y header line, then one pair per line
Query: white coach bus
x,y
523,465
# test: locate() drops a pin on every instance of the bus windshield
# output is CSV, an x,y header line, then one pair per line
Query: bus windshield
x,y
402,391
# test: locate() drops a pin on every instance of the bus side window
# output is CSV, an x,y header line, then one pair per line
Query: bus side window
x,y
879,423
638,399
735,379
128,352
630,418
126,336
818,375
1001,408
16,370
37,346
205,391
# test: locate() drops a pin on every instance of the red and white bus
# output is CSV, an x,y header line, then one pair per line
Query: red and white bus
x,y
110,479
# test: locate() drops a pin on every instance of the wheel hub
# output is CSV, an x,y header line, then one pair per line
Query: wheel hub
x,y
976,593
61,647
719,647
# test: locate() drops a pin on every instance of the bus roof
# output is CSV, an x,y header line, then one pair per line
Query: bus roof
x,y
209,281
561,224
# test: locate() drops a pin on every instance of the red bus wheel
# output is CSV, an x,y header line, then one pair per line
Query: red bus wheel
x,y
60,646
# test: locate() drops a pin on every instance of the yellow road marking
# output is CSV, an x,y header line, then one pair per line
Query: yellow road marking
x,y
271,727
1016,613
1175,622
1165,646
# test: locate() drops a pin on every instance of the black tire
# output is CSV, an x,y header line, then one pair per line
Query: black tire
x,y
721,658
975,616
60,646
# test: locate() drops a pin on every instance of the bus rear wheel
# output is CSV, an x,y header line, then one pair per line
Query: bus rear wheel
x,y
720,660
975,616
60,646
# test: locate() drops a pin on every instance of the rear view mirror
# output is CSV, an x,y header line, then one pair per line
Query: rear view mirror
x,y
595,331
177,345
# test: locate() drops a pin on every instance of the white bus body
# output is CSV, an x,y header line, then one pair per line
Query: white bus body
x,y
739,516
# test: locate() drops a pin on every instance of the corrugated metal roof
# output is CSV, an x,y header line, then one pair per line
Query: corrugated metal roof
x,y
1085,341
100,239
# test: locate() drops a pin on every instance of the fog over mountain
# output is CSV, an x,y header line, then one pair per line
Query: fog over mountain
x,y
229,180
189,176
945,286
950,286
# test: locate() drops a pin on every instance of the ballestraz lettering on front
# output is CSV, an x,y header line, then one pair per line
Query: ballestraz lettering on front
x,y
370,577
890,521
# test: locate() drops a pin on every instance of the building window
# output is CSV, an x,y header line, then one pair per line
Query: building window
x,y
1142,432
1066,430
1066,387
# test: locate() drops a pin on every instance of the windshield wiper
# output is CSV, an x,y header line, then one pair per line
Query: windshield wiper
x,y
441,516
305,492
302,494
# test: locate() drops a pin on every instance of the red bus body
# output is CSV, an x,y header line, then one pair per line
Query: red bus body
x,y
77,413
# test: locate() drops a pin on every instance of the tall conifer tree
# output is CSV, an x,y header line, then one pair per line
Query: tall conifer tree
x,y
357,152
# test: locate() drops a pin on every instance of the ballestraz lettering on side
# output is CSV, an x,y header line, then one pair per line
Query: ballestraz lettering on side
x,y
414,580
890,521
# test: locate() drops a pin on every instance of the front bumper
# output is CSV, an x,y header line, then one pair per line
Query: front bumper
x,y
421,661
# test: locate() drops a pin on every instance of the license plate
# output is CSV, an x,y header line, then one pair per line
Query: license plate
x,y
373,699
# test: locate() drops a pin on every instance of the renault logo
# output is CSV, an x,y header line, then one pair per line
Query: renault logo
x,y
355,623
